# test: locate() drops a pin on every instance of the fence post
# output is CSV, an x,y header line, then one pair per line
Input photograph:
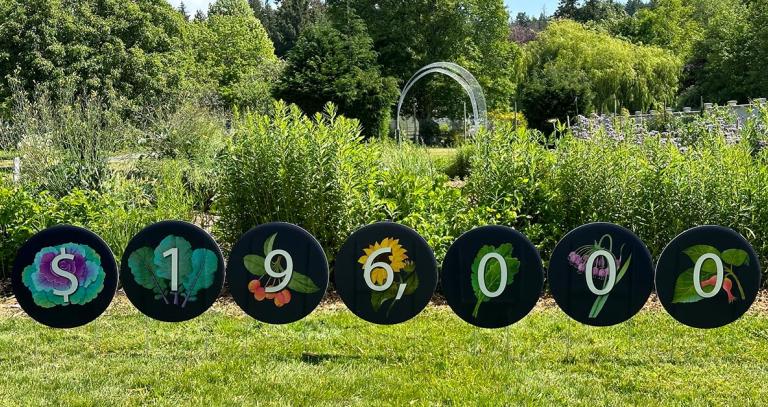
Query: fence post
x,y
16,170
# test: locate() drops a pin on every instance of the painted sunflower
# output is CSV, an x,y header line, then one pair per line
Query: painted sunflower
x,y
397,258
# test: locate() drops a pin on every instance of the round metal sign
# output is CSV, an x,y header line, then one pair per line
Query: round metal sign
x,y
492,276
601,274
708,277
277,273
386,273
172,271
64,276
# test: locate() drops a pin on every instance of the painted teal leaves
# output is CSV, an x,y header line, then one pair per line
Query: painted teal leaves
x,y
685,292
492,274
83,268
153,268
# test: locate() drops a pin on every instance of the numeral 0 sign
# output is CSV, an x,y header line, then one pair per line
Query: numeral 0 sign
x,y
369,266
502,278
611,272
285,274
697,275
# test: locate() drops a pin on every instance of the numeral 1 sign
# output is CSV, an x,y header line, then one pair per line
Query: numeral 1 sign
x,y
174,255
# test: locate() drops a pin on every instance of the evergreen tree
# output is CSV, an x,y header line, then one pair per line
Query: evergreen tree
x,y
335,62
183,11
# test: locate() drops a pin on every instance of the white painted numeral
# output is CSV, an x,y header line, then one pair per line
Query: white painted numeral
x,y
174,255
697,275
285,275
369,266
481,275
611,272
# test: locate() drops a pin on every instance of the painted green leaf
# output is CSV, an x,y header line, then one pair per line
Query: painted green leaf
x,y
85,294
204,263
492,271
601,300
163,263
684,291
735,257
269,243
378,298
411,284
142,266
695,252
255,265
302,284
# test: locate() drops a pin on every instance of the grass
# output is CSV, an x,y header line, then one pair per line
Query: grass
x,y
225,358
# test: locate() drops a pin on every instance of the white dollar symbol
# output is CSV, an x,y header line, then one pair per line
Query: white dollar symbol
x,y
64,273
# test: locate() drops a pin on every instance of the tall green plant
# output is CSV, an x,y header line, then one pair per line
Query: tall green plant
x,y
314,172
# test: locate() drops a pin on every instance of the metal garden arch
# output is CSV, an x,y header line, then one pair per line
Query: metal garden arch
x,y
460,75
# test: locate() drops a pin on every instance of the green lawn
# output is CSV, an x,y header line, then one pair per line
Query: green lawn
x,y
223,357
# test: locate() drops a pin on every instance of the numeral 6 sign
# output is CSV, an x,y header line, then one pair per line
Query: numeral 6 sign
x,y
277,273
601,274
708,277
492,276
386,273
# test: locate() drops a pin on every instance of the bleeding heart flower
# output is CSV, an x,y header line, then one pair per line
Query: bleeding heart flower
x,y
727,286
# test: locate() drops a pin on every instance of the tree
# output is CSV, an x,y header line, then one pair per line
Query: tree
x,y
567,9
572,68
336,63
411,34
726,62
183,11
131,52
234,56
669,24
290,19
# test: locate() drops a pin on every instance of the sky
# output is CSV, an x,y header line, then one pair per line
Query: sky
x,y
532,7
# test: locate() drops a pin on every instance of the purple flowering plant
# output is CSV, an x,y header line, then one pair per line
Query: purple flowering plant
x,y
65,274
578,260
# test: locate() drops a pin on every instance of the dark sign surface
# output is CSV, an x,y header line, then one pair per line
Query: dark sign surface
x,y
708,277
492,276
277,273
64,276
386,273
601,274
172,271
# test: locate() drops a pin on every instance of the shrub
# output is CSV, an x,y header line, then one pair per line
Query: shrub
x,y
314,172
66,144
116,214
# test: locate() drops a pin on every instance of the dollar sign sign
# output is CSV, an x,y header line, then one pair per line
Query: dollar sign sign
x,y
64,273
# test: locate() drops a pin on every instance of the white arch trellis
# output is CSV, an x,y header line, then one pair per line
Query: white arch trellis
x,y
464,78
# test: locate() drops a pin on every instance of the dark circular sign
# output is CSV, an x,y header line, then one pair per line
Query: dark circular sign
x,y
386,273
277,273
708,277
64,276
492,276
172,271
601,274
